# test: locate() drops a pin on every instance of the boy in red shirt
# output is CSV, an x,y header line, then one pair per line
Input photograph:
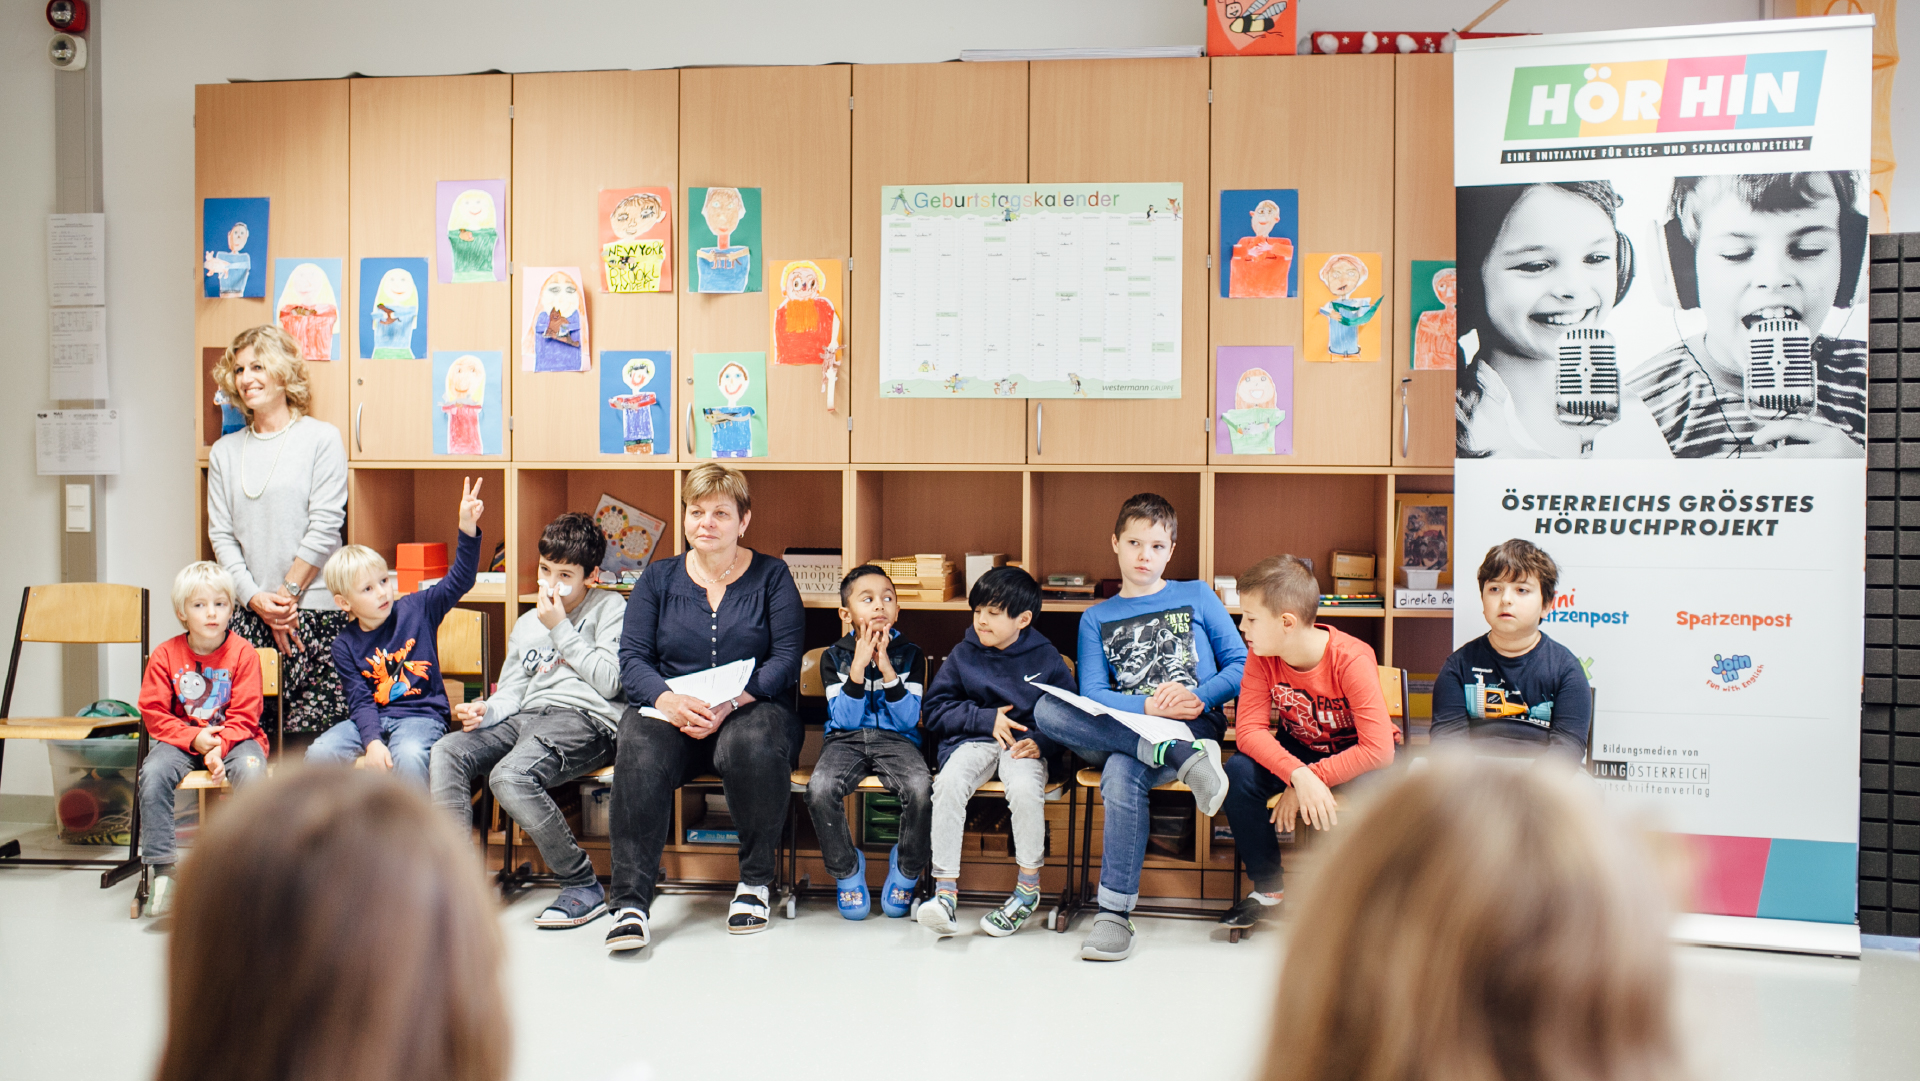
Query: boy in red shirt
x,y
1311,717
200,700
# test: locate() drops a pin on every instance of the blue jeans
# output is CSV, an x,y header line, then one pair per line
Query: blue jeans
x,y
166,766
1125,780
409,738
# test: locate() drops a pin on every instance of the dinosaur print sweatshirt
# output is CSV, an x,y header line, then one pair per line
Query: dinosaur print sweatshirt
x,y
394,670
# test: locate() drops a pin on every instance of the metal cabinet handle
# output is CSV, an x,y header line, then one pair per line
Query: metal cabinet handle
x,y
1039,429
358,411
689,427
1406,416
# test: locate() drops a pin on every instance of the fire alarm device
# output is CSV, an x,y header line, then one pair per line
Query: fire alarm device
x,y
68,16
67,53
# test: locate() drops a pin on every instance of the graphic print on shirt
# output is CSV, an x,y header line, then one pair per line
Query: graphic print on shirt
x,y
1489,698
203,693
1322,724
393,675
1145,651
538,662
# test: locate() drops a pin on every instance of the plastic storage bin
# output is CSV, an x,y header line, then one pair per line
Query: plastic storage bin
x,y
93,789
596,808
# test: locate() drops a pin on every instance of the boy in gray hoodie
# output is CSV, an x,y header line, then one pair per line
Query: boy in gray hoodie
x,y
552,717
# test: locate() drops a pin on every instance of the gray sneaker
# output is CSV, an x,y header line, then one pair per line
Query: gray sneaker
x,y
937,915
160,896
575,906
1110,940
1204,774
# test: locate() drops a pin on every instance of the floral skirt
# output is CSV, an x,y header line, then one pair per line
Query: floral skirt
x,y
310,688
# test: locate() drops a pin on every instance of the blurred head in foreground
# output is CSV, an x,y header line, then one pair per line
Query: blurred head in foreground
x,y
332,925
1481,923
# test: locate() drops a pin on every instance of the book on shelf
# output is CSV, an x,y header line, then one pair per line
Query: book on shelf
x,y
1364,600
713,837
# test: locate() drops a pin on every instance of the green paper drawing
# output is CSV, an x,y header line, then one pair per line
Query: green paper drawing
x,y
730,405
723,240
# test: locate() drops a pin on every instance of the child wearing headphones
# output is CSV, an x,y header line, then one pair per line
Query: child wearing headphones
x,y
1537,261
1745,250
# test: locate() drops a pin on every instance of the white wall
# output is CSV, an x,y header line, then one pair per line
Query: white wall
x,y
153,52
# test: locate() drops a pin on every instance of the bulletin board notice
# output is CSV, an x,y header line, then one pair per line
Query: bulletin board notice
x,y
1030,291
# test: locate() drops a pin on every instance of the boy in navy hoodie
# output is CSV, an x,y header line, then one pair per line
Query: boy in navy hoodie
x,y
980,707
874,678
389,655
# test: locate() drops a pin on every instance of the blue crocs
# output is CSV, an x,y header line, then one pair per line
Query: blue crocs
x,y
896,897
851,891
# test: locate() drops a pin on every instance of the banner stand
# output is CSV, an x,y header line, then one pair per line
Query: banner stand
x,y
1781,936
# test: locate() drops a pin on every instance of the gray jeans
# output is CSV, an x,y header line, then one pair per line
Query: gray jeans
x,y
523,756
165,767
970,766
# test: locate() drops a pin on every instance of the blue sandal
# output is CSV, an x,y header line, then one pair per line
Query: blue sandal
x,y
896,897
851,891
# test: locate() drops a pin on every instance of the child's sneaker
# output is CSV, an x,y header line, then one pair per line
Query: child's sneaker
x,y
938,915
1110,940
160,895
575,906
630,931
896,896
748,911
1248,911
851,892
1206,776
1011,915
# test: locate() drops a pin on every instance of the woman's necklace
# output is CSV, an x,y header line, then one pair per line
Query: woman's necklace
x,y
692,563
251,493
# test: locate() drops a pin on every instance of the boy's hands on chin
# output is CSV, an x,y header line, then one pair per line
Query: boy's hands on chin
x,y
1174,701
878,647
1810,439
378,757
862,655
1307,799
471,508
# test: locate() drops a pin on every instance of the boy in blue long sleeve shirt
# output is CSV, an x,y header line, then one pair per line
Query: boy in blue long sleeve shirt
x,y
389,655
874,679
1165,649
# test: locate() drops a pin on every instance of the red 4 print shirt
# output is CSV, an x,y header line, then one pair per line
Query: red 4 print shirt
x,y
1331,718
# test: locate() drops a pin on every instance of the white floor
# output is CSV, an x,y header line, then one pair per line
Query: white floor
x,y
81,997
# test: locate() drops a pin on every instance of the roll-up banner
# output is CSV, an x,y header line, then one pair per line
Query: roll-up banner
x,y
1662,382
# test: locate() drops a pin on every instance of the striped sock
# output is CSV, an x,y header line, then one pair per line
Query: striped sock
x,y
950,887
1029,884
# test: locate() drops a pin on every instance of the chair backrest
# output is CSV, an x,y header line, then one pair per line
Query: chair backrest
x,y
1072,670
269,671
811,685
463,642
1393,688
98,612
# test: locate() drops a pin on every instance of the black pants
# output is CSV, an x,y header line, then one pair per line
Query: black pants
x,y
845,759
753,753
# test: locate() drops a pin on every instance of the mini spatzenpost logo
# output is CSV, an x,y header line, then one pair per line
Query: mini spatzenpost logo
x,y
1734,672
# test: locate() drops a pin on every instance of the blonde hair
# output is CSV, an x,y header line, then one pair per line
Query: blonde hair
x,y
308,272
349,566
487,217
1359,264
476,396
280,354
713,479
271,925
1483,921
204,576
1283,584
795,267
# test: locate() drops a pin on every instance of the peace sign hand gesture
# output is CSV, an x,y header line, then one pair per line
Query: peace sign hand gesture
x,y
471,508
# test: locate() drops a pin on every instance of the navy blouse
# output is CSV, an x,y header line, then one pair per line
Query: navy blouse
x,y
670,630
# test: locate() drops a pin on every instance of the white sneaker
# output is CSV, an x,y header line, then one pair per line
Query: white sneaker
x,y
938,915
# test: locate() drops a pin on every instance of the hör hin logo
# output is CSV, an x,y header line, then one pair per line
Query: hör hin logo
x,y
1700,93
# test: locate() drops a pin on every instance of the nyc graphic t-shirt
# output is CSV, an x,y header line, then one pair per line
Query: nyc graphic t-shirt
x,y
1543,699
183,692
1181,634
1330,718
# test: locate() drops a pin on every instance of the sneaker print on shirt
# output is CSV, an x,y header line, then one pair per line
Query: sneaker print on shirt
x,y
1324,725
203,693
399,680
538,662
1147,650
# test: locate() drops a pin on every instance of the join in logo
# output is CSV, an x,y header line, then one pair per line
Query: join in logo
x,y
1729,667
1700,93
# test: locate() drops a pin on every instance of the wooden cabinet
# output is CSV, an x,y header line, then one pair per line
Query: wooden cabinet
x,y
1420,411
286,142
980,137
788,132
1325,126
558,173
1095,121
404,135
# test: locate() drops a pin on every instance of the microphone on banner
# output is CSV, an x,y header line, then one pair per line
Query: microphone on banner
x,y
1587,390
1779,375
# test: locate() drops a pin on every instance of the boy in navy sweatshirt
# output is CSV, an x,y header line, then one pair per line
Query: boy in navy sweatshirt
x,y
873,677
389,656
980,707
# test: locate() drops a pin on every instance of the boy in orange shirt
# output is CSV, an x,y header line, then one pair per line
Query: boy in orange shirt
x,y
1311,717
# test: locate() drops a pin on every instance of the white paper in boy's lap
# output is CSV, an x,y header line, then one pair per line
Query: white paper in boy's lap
x,y
1151,729
712,685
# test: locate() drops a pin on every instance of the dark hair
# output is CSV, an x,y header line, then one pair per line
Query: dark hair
x,y
1283,584
1150,508
271,925
854,575
1514,561
574,538
1009,589
1764,193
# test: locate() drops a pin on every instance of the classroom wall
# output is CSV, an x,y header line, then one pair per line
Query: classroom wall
x,y
153,52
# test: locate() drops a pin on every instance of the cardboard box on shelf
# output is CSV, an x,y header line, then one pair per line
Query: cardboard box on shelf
x,y
1353,587
1347,564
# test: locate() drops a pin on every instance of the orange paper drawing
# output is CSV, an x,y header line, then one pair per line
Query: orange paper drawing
x,y
1341,305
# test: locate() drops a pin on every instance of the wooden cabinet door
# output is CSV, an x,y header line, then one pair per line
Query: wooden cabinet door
x,y
981,138
788,132
288,143
1322,125
557,178
1099,121
405,135
1420,411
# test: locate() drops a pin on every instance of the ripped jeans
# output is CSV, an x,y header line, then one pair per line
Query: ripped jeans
x,y
523,756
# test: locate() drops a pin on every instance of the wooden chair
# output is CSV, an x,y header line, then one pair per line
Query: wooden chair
x,y
82,613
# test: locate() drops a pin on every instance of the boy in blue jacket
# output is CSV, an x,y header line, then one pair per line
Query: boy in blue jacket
x,y
873,677
980,707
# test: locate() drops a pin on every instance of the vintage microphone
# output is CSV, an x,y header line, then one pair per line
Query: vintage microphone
x,y
1779,374
1587,391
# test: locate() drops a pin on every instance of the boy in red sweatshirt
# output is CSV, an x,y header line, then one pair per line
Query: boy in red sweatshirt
x,y
200,700
1311,717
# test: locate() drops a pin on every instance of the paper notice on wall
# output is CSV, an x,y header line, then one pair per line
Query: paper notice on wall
x,y
77,353
76,259
76,442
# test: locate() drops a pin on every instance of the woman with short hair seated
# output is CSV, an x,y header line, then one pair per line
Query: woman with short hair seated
x,y
719,603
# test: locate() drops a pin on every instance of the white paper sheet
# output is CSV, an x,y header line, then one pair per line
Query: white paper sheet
x,y
1151,729
712,686
75,442
77,354
76,259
